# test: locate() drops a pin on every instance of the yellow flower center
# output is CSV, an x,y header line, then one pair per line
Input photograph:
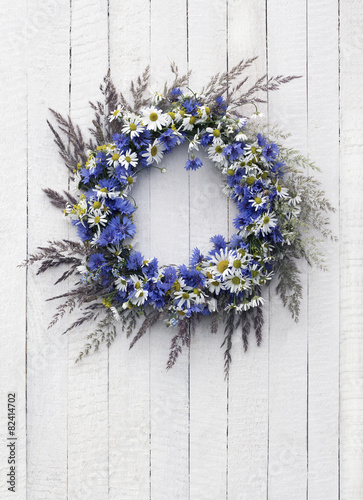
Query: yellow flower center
x,y
128,159
250,180
153,117
182,113
133,126
236,280
97,219
216,132
254,274
115,157
219,149
222,266
264,175
97,204
253,150
196,291
192,120
266,220
207,110
154,151
230,171
130,180
258,200
237,264
137,285
172,115
104,190
177,286
215,283
209,275
185,295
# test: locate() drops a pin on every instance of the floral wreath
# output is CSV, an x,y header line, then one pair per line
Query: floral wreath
x,y
276,204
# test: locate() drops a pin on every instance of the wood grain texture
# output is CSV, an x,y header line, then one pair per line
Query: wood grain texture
x,y
169,241
287,463
118,425
13,240
129,395
323,300
351,297
48,80
88,380
208,217
248,380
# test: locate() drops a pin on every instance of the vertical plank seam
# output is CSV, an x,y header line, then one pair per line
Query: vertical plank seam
x,y
228,236
308,273
340,248
27,268
69,112
189,243
150,437
108,348
269,290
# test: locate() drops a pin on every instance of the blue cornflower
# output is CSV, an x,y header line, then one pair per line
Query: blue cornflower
x,y
170,276
196,257
262,141
219,242
85,175
175,93
192,277
142,140
121,205
270,151
236,241
221,105
169,140
123,228
193,164
122,141
191,106
107,237
206,140
84,232
100,158
151,269
134,261
96,261
233,151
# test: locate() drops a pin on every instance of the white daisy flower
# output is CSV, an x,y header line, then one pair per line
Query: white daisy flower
x,y
294,199
115,250
116,114
221,261
154,152
215,151
132,127
96,218
266,223
153,118
189,122
281,192
212,304
129,159
113,159
234,283
258,201
105,193
194,144
115,313
214,285
184,297
139,297
121,284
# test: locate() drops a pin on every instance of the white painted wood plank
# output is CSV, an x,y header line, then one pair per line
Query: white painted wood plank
x,y
323,128
169,241
351,126
88,380
208,216
129,417
287,470
48,80
13,239
248,380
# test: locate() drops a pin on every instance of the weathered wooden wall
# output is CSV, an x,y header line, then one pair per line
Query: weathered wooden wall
x,y
287,424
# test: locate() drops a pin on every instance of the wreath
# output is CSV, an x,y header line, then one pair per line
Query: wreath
x,y
279,210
